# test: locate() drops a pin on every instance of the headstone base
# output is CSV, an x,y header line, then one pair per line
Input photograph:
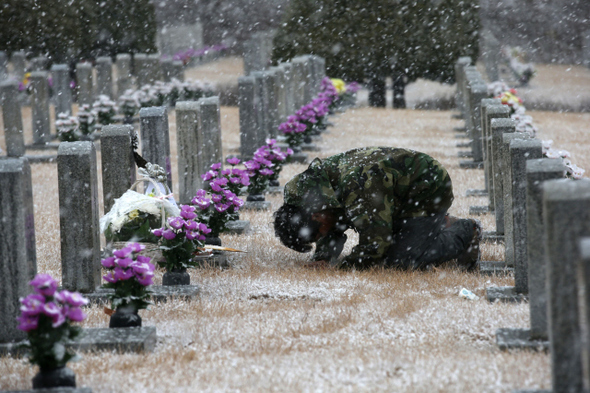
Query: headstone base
x,y
464,144
238,227
491,268
309,147
505,295
299,158
478,210
460,129
514,338
474,192
276,190
469,164
160,293
43,146
465,154
52,390
41,158
456,116
122,340
461,135
255,205
532,391
492,237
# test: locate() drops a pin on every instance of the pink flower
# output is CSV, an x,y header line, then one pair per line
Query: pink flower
x,y
188,212
136,247
76,314
216,166
143,259
123,274
110,277
221,207
157,232
72,298
191,235
44,284
233,161
265,172
140,268
123,262
209,175
168,234
176,222
27,323
122,253
32,305
191,225
203,228
146,279
108,262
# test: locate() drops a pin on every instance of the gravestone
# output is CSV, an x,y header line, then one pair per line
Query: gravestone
x,y
460,65
3,65
118,165
141,69
78,213
18,60
281,95
189,147
583,274
478,91
153,68
124,82
210,129
18,260
270,83
84,84
485,103
104,76
254,53
155,139
499,127
177,70
300,80
39,63
492,112
167,69
491,52
13,122
289,90
248,116
261,105
61,88
40,107
566,210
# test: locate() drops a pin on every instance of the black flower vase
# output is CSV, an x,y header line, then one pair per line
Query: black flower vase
x,y
125,317
176,277
54,378
255,198
296,149
274,183
213,241
307,139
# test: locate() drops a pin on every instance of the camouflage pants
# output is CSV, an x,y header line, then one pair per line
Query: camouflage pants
x,y
422,241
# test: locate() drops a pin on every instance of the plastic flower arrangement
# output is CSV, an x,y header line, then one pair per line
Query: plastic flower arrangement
x,y
217,208
67,127
47,315
329,93
129,104
312,116
260,170
511,99
572,171
339,85
293,131
129,274
180,238
235,178
105,109
86,119
276,156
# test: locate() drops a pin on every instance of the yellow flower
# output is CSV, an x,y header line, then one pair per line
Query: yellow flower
x,y
133,214
339,85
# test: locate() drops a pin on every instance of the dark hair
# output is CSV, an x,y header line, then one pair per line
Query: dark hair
x,y
295,228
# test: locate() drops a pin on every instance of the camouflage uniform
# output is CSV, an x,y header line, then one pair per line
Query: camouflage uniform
x,y
372,189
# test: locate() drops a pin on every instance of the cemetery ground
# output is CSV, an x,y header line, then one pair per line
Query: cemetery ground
x,y
267,324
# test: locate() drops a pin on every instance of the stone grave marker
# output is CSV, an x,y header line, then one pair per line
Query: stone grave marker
x,y
248,116
78,212
155,139
118,165
190,166
84,83
124,82
3,65
460,65
40,107
19,66
141,69
18,259
104,76
210,129
167,69
499,127
39,63
12,117
153,68
61,88
177,70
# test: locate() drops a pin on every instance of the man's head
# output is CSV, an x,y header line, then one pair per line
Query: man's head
x,y
295,227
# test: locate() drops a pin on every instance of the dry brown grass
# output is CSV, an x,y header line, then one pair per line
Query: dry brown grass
x,y
269,325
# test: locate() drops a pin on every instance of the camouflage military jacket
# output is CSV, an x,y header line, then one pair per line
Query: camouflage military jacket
x,y
373,187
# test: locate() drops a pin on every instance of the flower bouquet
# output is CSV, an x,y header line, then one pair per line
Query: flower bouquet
x,y
217,208
86,119
67,127
105,109
277,157
312,116
129,105
232,179
179,240
294,132
129,274
47,316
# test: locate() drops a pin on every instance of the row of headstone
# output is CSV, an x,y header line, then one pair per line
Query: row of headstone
x,y
544,219
267,98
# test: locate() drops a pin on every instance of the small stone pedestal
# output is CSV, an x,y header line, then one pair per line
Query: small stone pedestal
x,y
465,154
238,227
478,210
475,192
470,164
160,293
492,236
256,205
509,338
491,268
505,295
299,158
